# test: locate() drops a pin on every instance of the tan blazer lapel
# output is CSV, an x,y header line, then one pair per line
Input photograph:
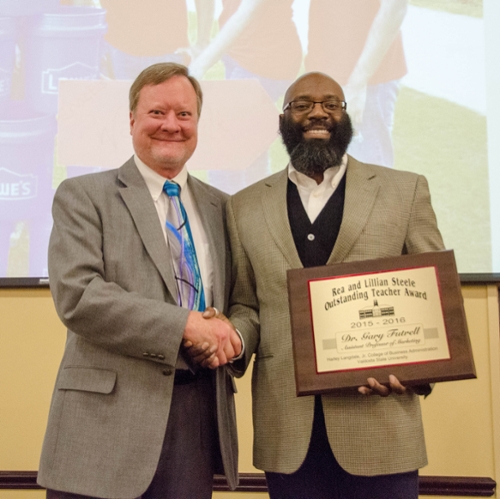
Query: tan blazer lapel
x,y
276,216
140,205
211,213
361,191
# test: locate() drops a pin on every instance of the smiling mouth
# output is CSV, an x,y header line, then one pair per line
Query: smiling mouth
x,y
167,139
317,133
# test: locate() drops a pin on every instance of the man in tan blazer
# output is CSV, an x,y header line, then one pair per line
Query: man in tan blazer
x,y
131,415
325,208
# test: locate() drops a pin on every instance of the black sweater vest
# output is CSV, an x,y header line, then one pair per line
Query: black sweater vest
x,y
315,241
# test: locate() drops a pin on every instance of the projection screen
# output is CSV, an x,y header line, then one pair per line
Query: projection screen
x,y
421,79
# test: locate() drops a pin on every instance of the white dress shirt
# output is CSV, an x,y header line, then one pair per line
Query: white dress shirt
x,y
314,196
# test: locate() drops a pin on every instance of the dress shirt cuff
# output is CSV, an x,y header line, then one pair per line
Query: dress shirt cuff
x,y
242,353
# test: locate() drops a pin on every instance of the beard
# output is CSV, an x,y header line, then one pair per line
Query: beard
x,y
314,156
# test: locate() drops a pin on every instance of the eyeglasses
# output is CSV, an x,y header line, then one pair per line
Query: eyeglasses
x,y
306,106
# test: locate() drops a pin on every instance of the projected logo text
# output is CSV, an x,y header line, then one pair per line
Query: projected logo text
x,y
4,81
74,71
15,187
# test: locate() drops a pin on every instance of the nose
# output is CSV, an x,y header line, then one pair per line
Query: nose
x,y
170,123
317,111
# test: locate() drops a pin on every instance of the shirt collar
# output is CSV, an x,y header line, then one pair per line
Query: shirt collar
x,y
154,181
329,175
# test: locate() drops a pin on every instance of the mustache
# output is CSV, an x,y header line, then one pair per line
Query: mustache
x,y
323,125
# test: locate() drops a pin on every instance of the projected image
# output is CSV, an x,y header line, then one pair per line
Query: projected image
x,y
414,87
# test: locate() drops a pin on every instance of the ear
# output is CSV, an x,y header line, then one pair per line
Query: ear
x,y
131,121
281,118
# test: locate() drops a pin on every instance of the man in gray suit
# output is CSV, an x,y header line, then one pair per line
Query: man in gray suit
x,y
325,208
132,414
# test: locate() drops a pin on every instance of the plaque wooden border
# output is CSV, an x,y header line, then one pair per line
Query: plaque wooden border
x,y
459,366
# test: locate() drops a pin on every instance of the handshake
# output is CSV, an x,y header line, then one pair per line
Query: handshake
x,y
210,340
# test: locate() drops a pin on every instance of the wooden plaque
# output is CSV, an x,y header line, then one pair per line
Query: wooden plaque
x,y
402,315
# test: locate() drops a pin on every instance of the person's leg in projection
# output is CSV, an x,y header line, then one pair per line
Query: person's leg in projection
x,y
373,140
232,181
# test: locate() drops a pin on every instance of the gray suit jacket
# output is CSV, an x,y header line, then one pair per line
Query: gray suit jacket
x,y
113,287
386,213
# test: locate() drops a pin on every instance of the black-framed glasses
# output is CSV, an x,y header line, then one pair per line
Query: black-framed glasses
x,y
306,106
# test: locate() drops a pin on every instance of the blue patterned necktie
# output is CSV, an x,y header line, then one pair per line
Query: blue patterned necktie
x,y
190,292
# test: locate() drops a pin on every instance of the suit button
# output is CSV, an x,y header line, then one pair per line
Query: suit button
x,y
311,237
161,357
145,354
152,355
167,372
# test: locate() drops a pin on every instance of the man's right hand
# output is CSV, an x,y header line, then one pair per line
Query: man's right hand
x,y
235,338
209,343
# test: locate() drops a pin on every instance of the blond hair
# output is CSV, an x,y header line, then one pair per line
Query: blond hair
x,y
158,73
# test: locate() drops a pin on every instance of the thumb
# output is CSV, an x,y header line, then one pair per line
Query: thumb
x,y
209,313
